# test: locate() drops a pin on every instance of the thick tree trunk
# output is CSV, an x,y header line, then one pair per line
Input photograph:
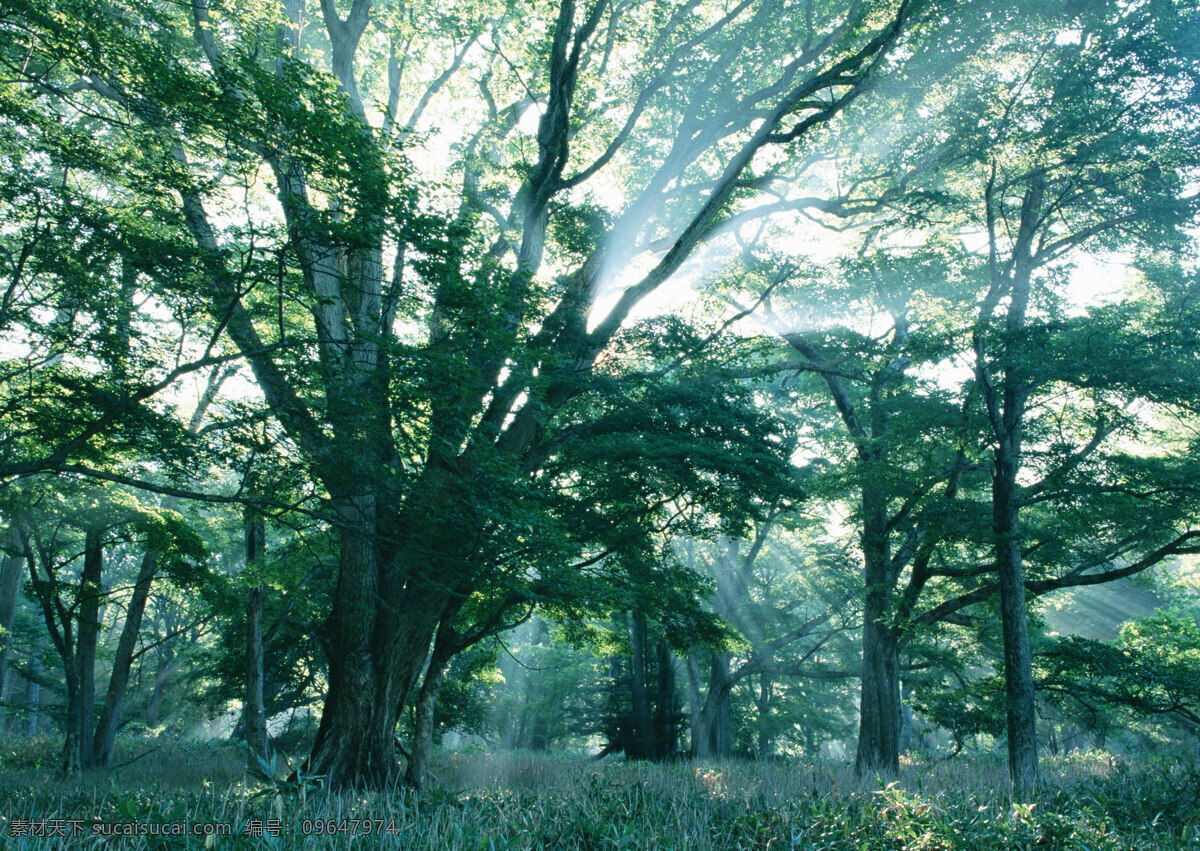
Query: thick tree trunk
x,y
258,743
879,718
879,708
712,720
377,640
90,596
643,732
354,745
722,714
110,713
665,726
1018,658
10,591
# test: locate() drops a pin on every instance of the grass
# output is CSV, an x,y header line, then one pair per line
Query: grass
x,y
521,800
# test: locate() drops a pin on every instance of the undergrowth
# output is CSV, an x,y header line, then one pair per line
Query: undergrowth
x,y
521,800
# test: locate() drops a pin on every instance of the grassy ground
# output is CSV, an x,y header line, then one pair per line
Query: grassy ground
x,y
519,800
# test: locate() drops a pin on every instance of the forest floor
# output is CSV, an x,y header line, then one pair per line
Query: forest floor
x,y
522,800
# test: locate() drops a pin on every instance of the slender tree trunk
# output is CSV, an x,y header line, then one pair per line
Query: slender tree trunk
x,y
72,764
417,772
701,721
89,633
1018,658
110,713
10,591
164,671
721,731
879,714
906,719
255,529
1007,413
33,696
763,744
258,743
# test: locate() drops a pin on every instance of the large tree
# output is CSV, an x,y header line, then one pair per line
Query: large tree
x,y
434,354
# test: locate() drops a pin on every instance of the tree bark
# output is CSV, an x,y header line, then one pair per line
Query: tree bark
x,y
701,722
712,716
110,713
643,733
721,731
879,716
258,743
90,596
72,764
1006,410
375,650
10,592
1018,658
906,719
33,695
164,672
417,772
665,725
763,738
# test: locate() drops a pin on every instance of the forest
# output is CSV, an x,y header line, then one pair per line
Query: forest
x,y
600,423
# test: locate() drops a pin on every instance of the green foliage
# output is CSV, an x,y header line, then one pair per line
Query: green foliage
x,y
528,801
1152,670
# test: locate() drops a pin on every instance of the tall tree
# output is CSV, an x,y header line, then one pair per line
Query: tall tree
x,y
1076,155
417,435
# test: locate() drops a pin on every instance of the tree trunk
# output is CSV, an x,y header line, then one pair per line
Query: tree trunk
x,y
1007,414
377,640
665,728
417,772
906,719
110,713
701,723
72,764
1018,658
90,596
33,696
255,529
879,717
643,732
721,729
879,708
10,592
355,740
712,718
258,743
763,739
